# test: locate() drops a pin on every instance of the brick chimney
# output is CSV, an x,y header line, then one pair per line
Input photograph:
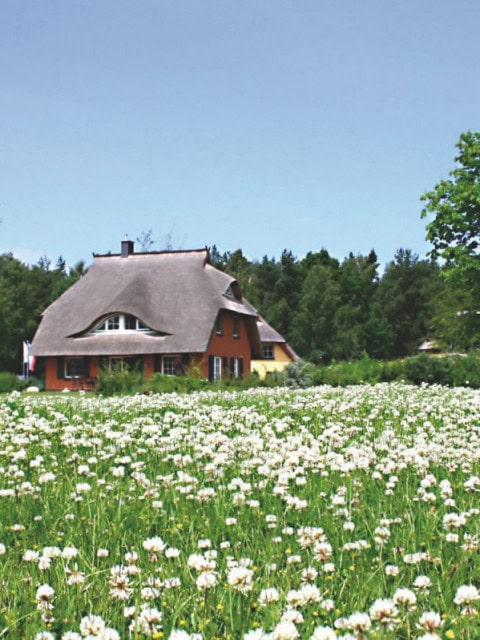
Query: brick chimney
x,y
127,247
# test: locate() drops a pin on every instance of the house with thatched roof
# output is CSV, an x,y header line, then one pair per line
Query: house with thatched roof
x,y
160,311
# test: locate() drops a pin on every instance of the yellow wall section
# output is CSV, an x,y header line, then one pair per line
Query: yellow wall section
x,y
281,360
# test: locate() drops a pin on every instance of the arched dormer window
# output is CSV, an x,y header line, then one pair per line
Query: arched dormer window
x,y
121,322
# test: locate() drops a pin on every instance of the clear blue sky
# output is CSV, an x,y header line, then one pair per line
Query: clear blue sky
x,y
253,124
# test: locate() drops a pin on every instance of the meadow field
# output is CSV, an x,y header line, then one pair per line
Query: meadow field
x,y
270,514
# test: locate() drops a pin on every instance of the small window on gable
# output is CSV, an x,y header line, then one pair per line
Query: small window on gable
x,y
236,327
267,351
229,293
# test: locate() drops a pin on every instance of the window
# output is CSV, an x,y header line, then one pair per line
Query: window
x,y
113,323
219,325
217,368
169,365
121,323
76,367
267,351
130,323
235,368
236,327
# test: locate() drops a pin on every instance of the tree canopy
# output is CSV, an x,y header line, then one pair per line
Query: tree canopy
x,y
454,233
455,204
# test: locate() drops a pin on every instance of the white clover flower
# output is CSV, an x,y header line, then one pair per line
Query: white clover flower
x,y
453,520
44,635
392,570
309,593
172,583
385,613
91,625
108,634
292,615
309,574
240,579
45,593
322,551
204,544
31,556
267,596
323,633
422,583
71,635
75,576
328,604
285,631
466,594
178,634
430,620
206,580
82,487
359,622
406,598
69,552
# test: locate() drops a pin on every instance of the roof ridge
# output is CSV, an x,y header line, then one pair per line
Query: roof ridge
x,y
152,253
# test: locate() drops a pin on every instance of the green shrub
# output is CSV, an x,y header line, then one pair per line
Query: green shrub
x,y
119,380
429,369
341,374
299,374
393,370
9,382
466,370
160,383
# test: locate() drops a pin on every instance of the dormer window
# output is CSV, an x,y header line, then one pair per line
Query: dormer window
x,y
121,322
233,292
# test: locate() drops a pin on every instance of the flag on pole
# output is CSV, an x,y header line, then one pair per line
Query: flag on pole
x,y
26,352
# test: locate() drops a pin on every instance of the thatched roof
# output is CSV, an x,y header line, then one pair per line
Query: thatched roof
x,y
176,294
268,334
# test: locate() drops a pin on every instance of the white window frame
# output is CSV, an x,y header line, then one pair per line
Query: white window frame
x,y
217,368
235,372
268,347
118,323
169,365
68,375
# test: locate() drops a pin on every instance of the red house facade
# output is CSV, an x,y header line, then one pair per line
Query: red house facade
x,y
163,312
